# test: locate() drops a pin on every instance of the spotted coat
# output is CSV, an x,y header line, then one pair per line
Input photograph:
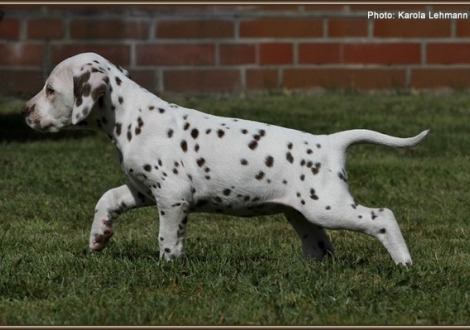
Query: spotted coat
x,y
184,161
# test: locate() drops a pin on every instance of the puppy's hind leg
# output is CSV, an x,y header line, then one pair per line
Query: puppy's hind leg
x,y
377,222
315,242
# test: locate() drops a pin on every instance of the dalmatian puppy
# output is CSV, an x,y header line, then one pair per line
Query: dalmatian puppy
x,y
183,161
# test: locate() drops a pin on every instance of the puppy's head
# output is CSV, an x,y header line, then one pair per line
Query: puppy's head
x,y
69,94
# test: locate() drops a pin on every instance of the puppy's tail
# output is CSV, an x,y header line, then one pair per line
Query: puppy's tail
x,y
343,140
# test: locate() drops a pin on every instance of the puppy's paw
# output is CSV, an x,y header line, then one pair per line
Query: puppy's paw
x,y
99,238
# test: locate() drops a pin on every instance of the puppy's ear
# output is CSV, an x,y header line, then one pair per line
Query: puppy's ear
x,y
89,84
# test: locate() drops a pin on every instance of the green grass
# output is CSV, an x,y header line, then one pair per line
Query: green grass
x,y
241,271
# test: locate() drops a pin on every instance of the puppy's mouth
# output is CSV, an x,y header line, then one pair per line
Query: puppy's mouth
x,y
44,126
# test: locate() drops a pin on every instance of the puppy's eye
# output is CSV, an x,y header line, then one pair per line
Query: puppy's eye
x,y
49,90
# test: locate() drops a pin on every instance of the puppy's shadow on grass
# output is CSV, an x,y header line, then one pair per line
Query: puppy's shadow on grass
x,y
13,128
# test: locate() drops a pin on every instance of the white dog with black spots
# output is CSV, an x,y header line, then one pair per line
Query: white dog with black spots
x,y
186,161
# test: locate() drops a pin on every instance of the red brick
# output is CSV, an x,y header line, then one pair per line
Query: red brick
x,y
275,53
145,78
302,78
448,53
440,78
109,29
281,27
387,7
25,82
9,29
451,7
176,8
95,9
235,54
118,54
382,53
195,29
278,7
257,79
22,7
44,28
19,54
201,80
320,53
347,27
412,28
175,54
328,7
462,28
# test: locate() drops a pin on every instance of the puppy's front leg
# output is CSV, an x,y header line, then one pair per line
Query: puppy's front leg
x,y
109,207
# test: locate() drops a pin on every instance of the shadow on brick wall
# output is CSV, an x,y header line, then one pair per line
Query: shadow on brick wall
x,y
13,128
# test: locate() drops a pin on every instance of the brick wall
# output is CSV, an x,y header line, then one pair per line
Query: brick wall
x,y
219,48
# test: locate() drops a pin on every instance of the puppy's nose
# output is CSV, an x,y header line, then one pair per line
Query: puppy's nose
x,y
26,111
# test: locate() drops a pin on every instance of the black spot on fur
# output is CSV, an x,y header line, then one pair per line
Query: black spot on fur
x,y
289,146
208,131
118,128
220,133
200,162
244,162
120,100
147,167
289,157
382,231
194,133
186,126
170,133
227,192
269,161
253,144
244,131
184,145
161,110
312,194
260,175
118,81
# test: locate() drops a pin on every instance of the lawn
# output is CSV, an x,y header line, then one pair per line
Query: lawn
x,y
241,271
